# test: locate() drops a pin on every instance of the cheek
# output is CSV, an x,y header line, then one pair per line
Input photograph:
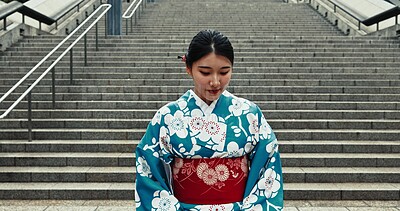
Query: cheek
x,y
226,80
200,81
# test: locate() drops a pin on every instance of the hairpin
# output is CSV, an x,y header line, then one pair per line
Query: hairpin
x,y
183,58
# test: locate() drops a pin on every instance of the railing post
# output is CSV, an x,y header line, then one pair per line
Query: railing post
x,y
135,19
97,37
53,86
126,26
105,23
139,12
30,116
85,48
131,25
71,77
5,24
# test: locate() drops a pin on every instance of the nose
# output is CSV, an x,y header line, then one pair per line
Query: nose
x,y
215,81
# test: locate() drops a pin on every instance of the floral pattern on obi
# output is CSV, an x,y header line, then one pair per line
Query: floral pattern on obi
x,y
222,180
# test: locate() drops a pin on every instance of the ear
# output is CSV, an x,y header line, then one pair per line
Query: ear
x,y
189,70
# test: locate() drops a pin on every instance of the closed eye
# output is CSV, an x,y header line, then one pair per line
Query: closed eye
x,y
204,73
225,70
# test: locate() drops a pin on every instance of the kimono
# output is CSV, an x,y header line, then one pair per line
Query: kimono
x,y
228,128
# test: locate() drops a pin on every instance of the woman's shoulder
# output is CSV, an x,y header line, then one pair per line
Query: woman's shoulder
x,y
241,101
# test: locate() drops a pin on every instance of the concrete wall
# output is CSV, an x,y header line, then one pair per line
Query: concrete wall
x,y
15,32
393,31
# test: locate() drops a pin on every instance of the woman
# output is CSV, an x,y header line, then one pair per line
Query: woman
x,y
209,150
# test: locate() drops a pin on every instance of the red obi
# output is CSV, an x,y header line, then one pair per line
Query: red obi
x,y
210,180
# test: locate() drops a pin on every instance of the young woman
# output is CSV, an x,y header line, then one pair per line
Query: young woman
x,y
209,150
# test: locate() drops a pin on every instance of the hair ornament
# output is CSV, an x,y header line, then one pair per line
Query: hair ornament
x,y
183,58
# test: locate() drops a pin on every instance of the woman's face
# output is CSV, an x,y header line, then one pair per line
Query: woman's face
x,y
211,75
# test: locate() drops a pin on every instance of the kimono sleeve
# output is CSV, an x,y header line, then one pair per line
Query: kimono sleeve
x,y
153,190
264,190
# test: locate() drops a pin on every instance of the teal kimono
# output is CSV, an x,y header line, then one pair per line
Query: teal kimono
x,y
189,128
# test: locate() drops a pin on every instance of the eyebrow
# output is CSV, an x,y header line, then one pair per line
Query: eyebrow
x,y
207,67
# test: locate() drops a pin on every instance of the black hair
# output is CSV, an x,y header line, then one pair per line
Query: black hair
x,y
208,41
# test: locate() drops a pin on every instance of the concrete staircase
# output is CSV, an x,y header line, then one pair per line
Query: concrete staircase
x,y
333,101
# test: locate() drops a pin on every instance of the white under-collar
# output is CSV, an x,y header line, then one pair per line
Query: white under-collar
x,y
207,109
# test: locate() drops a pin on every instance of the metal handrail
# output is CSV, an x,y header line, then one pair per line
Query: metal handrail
x,y
128,15
51,67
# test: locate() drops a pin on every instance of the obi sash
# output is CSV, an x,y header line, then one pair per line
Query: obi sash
x,y
210,180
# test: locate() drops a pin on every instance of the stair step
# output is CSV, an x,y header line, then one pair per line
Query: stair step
x,y
125,191
132,134
173,96
340,159
142,113
68,159
66,191
235,82
342,191
312,77
142,123
122,146
241,76
277,90
127,146
342,174
270,105
128,159
139,70
87,174
338,146
127,174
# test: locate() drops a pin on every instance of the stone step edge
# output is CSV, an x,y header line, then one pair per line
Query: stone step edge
x,y
87,119
129,205
50,130
130,186
294,191
80,142
67,169
133,155
135,142
132,169
155,110
173,94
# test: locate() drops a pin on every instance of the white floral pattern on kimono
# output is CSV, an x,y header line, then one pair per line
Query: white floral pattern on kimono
x,y
189,128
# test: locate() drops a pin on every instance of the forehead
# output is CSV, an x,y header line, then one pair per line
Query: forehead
x,y
213,59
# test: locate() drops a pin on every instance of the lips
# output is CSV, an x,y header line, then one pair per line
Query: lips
x,y
214,92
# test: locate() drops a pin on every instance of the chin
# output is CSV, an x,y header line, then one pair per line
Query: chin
x,y
213,98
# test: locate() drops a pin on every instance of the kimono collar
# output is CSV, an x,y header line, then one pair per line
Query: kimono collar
x,y
207,109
